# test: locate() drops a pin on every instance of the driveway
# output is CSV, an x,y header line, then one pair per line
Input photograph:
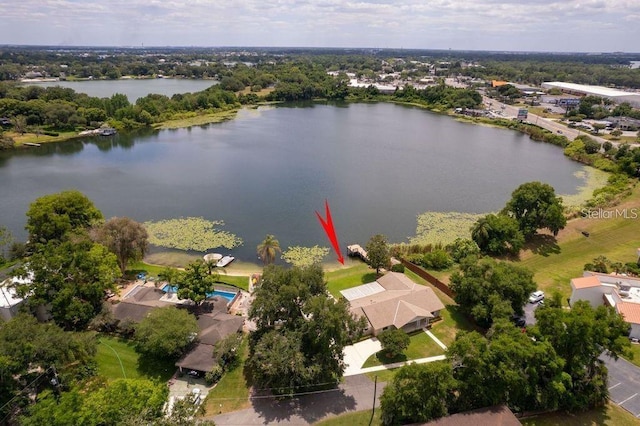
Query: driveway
x,y
624,384
356,355
530,313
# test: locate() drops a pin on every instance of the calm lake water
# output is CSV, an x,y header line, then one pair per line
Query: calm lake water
x,y
133,88
269,170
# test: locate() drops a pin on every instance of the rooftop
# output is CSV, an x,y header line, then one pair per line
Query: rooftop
x,y
585,282
361,291
630,311
595,90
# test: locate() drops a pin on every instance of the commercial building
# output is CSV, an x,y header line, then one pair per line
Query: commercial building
x,y
617,96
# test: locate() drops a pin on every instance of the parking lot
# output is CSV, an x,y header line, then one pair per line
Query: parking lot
x,y
624,384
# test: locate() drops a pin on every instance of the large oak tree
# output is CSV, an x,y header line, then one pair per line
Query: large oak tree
x,y
125,238
301,331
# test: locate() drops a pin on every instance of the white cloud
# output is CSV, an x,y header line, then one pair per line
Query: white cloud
x,y
586,25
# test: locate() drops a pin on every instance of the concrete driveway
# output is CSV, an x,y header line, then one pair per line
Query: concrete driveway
x,y
530,313
356,355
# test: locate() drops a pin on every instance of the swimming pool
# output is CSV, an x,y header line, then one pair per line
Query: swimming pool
x,y
226,294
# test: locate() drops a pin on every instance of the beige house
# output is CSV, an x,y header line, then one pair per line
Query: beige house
x,y
619,291
394,302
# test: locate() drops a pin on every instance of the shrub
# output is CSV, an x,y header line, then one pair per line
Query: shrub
x,y
394,342
398,267
437,259
462,248
212,377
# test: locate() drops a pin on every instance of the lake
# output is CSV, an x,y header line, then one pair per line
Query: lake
x,y
269,170
132,88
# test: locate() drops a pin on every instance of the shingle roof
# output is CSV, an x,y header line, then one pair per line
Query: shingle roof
x,y
402,302
200,358
130,311
499,415
216,326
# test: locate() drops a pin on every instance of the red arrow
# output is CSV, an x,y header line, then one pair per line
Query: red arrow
x,y
330,231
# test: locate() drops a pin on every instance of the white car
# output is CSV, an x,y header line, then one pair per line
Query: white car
x,y
536,296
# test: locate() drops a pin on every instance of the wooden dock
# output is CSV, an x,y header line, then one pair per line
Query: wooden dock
x,y
357,250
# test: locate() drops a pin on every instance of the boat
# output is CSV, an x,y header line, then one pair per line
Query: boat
x,y
225,261
107,131
212,257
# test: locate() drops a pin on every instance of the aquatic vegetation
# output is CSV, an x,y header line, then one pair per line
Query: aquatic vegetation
x,y
304,256
190,233
593,179
443,227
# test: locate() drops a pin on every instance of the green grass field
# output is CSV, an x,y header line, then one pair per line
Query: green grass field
x,y
617,238
610,415
359,418
341,279
117,359
420,346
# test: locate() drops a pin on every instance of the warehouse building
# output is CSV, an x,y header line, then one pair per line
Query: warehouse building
x,y
617,96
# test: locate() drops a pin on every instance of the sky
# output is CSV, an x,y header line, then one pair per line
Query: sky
x,y
514,25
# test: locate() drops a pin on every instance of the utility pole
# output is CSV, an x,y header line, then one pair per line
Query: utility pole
x,y
375,387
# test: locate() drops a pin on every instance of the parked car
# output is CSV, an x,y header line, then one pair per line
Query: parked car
x,y
536,296
519,321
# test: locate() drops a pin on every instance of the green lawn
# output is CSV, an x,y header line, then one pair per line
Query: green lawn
x,y
615,238
137,267
421,346
359,418
232,391
452,322
117,358
235,281
635,350
610,415
341,279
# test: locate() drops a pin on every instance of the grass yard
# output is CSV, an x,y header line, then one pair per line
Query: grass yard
x,y
635,350
117,359
421,346
349,277
452,322
610,415
615,238
235,281
150,269
359,418
232,391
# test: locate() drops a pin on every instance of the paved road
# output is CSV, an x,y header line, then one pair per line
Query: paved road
x,y
355,394
624,384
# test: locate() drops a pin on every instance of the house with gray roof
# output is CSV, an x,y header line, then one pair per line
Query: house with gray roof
x,y
394,301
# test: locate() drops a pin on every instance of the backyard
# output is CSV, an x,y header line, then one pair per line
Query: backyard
x,y
117,359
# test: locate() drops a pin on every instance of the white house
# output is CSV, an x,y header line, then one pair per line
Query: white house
x,y
619,291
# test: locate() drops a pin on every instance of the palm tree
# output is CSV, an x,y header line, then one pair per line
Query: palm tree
x,y
480,231
268,248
